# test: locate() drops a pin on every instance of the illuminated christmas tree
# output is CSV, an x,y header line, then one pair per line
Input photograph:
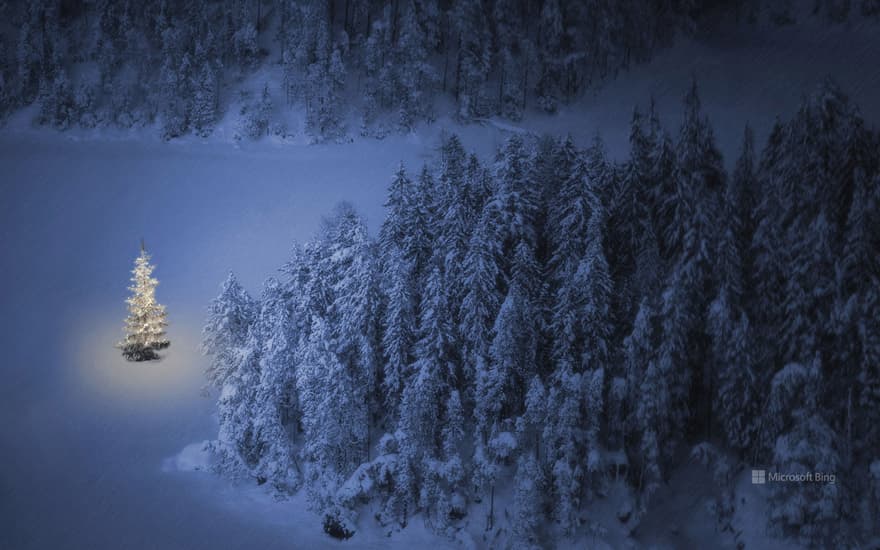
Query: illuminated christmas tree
x,y
145,325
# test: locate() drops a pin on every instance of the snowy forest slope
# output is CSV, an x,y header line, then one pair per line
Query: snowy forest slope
x,y
558,327
331,70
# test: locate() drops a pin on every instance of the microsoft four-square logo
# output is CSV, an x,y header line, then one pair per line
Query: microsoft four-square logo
x,y
759,477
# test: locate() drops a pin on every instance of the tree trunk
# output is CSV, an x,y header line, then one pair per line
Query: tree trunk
x,y
490,520
369,437
501,91
709,400
458,72
847,458
445,69
395,26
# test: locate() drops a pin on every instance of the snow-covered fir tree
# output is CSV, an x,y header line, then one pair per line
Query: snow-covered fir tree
x,y
480,304
398,338
238,446
549,86
205,101
332,417
277,413
146,321
230,315
737,385
472,66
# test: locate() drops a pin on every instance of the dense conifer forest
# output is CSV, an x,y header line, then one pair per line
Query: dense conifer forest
x,y
352,66
566,325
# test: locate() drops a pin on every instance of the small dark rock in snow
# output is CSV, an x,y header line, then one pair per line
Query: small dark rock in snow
x,y
624,512
336,527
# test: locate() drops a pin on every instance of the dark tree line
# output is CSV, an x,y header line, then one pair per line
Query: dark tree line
x,y
180,64
554,316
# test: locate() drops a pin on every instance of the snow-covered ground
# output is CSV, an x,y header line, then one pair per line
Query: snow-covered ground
x,y
90,444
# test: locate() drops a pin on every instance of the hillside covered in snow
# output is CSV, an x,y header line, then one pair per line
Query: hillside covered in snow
x,y
332,70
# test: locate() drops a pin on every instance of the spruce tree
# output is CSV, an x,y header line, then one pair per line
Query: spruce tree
x,y
397,227
456,217
204,104
472,68
806,443
516,202
333,416
738,393
550,51
570,223
432,376
146,321
699,180
649,403
238,445
276,409
416,77
229,316
480,304
349,270
511,50
399,331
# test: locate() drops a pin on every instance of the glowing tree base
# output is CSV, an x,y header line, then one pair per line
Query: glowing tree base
x,y
139,352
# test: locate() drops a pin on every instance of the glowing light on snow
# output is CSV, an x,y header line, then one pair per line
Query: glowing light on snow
x,y
101,370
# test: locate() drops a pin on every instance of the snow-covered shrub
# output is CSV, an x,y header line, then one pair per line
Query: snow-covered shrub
x,y
84,101
722,507
57,105
278,129
503,445
528,503
566,487
381,483
203,106
809,511
438,498
244,45
254,115
125,110
325,106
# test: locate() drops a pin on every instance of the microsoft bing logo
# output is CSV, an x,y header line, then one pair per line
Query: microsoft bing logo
x,y
759,477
